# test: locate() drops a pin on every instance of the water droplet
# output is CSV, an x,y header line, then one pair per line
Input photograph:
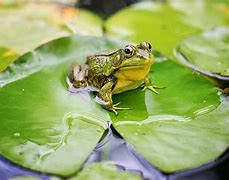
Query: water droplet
x,y
23,90
98,130
17,134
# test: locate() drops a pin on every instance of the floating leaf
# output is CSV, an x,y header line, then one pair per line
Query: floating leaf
x,y
203,14
173,145
86,23
176,129
163,24
43,126
207,52
186,95
25,27
103,171
46,128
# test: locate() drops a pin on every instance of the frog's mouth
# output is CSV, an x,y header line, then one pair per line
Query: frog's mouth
x,y
132,67
137,62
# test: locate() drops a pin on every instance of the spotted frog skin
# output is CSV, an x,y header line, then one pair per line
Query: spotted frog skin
x,y
113,73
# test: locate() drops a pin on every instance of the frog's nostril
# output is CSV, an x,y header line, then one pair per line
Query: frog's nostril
x,y
146,56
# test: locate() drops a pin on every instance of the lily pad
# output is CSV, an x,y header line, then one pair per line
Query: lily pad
x,y
43,126
163,24
181,128
103,171
173,145
46,128
203,14
207,52
186,95
26,27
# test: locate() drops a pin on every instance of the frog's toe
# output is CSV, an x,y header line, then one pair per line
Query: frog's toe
x,y
120,108
114,108
153,88
114,111
115,105
158,87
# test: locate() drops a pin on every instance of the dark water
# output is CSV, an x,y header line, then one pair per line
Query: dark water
x,y
9,170
113,148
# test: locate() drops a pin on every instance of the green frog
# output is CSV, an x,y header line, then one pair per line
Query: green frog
x,y
122,70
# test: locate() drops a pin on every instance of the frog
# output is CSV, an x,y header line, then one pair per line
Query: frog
x,y
112,73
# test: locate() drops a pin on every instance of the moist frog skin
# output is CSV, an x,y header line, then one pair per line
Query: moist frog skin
x,y
121,70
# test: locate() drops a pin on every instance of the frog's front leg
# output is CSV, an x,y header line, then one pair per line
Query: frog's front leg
x,y
148,85
104,96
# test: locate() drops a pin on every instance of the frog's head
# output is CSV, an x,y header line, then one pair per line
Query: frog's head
x,y
135,56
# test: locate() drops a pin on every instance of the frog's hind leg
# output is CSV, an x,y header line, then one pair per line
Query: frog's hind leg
x,y
77,75
104,96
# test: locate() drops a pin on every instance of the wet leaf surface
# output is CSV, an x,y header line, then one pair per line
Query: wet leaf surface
x,y
43,126
164,24
104,171
46,128
186,95
26,27
207,52
173,145
204,14
182,127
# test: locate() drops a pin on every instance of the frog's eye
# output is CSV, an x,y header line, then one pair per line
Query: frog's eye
x,y
129,51
146,45
149,46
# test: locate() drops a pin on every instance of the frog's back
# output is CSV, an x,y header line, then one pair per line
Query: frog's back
x,y
98,65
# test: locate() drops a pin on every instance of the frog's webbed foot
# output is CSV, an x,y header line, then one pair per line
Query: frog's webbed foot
x,y
104,97
153,88
114,108
148,85
107,103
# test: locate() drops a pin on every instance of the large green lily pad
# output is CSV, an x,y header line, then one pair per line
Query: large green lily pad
x,y
26,27
46,128
182,127
174,145
207,52
43,126
164,24
203,13
186,95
